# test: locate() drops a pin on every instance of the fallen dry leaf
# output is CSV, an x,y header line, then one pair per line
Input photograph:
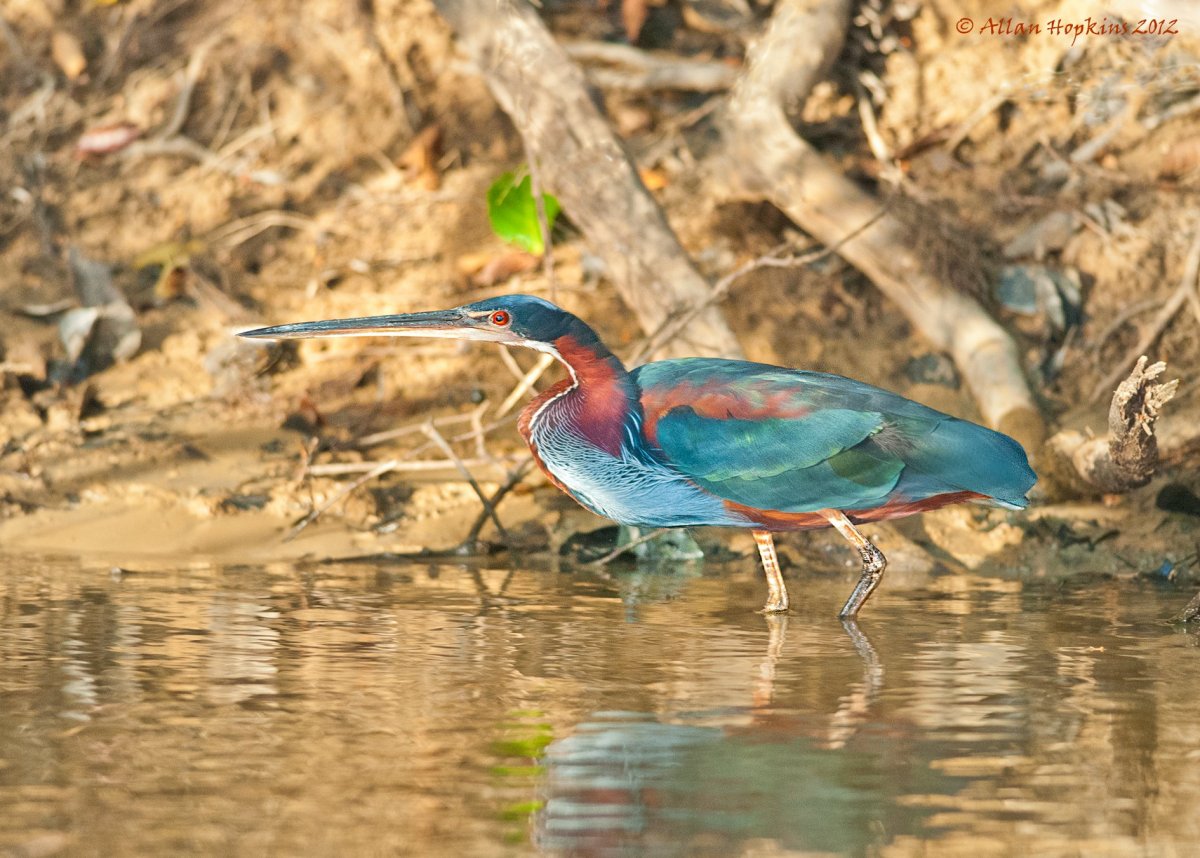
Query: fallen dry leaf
x,y
469,263
633,16
1180,159
717,17
653,179
106,139
488,269
67,52
171,283
419,160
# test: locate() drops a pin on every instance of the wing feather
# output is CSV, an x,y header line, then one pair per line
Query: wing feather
x,y
794,441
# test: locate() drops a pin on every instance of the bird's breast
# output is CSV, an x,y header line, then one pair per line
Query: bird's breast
x,y
630,486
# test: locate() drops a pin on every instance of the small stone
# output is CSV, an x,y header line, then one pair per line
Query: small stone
x,y
932,368
1048,235
955,530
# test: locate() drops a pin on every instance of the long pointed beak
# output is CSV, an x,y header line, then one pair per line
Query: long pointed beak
x,y
454,324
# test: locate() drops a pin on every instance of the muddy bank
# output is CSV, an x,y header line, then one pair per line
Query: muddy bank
x,y
276,171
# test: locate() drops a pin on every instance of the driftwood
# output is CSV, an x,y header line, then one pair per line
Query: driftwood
x,y
1127,458
762,157
1192,611
582,162
759,156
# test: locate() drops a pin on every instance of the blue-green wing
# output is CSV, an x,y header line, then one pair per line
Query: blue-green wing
x,y
794,441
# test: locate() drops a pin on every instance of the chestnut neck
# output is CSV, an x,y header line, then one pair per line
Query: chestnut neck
x,y
598,400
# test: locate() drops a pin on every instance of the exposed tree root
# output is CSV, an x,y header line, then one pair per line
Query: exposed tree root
x,y
581,161
760,156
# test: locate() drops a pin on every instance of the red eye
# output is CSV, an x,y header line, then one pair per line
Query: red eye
x,y
500,319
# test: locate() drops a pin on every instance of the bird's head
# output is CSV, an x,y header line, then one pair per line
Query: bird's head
x,y
512,320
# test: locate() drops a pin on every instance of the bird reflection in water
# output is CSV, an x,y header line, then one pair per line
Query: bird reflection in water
x,y
628,783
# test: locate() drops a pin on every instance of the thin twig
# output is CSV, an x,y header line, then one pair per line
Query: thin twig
x,y
378,471
14,42
514,478
703,78
672,326
866,115
525,384
490,427
236,232
1183,108
1130,312
170,142
337,469
436,437
251,135
621,549
230,112
1184,292
308,449
191,75
510,363
179,145
978,115
644,71
478,430
32,109
411,429
1089,150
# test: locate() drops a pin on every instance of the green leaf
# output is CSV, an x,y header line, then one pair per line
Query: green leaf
x,y
513,212
521,810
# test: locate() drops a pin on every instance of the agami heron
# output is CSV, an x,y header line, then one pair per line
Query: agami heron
x,y
726,443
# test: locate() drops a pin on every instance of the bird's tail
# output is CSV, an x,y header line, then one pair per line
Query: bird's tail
x,y
964,456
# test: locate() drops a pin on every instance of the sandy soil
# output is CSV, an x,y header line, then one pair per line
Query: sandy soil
x,y
299,196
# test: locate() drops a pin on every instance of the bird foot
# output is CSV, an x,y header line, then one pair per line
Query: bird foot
x,y
872,573
776,605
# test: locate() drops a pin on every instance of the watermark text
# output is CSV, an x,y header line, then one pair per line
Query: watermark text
x,y
1062,27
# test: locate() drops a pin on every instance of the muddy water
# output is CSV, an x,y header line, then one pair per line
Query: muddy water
x,y
444,710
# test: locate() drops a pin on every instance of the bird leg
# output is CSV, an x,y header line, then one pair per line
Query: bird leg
x,y
872,559
777,597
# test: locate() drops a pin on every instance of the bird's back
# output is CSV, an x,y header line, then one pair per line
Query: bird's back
x,y
793,442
